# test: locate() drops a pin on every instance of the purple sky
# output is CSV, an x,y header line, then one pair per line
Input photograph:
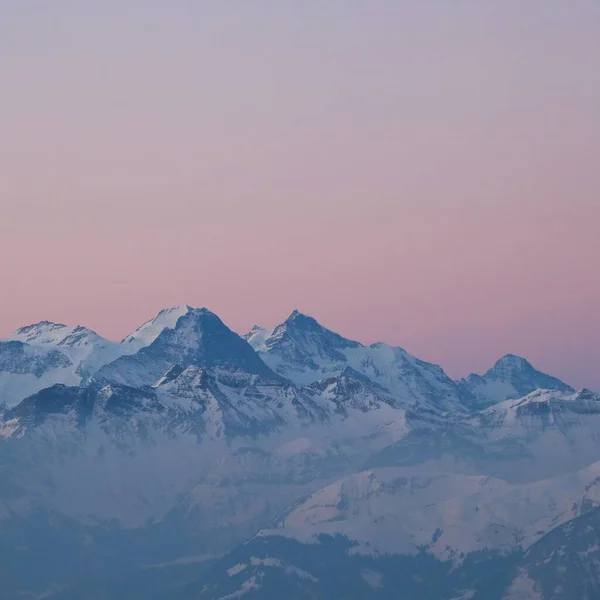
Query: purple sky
x,y
422,173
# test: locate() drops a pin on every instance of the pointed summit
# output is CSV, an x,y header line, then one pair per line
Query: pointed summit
x,y
297,315
300,348
80,336
304,335
302,319
145,334
511,364
511,377
298,320
197,338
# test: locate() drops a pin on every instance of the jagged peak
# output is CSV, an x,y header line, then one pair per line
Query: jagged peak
x,y
300,323
516,367
41,326
41,333
255,329
177,308
202,311
146,333
79,334
298,318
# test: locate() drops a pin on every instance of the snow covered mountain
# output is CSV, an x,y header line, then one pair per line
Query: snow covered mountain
x,y
511,377
198,337
145,334
305,352
372,520
26,369
447,520
46,353
86,349
257,337
292,462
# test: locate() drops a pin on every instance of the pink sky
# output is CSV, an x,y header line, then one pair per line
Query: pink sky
x,y
422,173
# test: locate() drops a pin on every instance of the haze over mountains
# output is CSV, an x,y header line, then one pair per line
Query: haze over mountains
x,y
187,461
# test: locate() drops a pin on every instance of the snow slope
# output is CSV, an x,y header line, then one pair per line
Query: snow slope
x,y
305,352
401,511
145,334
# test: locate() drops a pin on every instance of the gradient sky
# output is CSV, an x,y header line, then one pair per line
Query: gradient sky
x,y
422,173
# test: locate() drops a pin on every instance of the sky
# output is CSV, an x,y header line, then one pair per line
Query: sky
x,y
426,174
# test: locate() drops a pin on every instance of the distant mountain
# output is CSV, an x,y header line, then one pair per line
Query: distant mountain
x,y
305,352
26,369
187,461
257,337
197,338
54,353
433,536
511,377
44,332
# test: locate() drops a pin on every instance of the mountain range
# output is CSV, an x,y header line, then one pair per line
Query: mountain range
x,y
190,462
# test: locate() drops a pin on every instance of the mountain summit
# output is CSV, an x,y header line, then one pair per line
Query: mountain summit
x,y
145,334
511,377
44,332
197,337
303,342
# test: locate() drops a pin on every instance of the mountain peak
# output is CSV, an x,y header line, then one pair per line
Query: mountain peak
x,y
257,337
511,363
586,394
44,332
196,338
300,346
41,326
145,334
303,330
255,329
180,309
296,317
510,378
79,336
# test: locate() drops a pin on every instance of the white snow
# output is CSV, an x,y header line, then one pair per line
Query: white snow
x,y
145,334
304,448
43,333
257,337
409,380
84,348
398,510
16,386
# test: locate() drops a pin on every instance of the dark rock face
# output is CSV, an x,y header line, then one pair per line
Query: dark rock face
x,y
272,567
565,564
199,338
301,339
